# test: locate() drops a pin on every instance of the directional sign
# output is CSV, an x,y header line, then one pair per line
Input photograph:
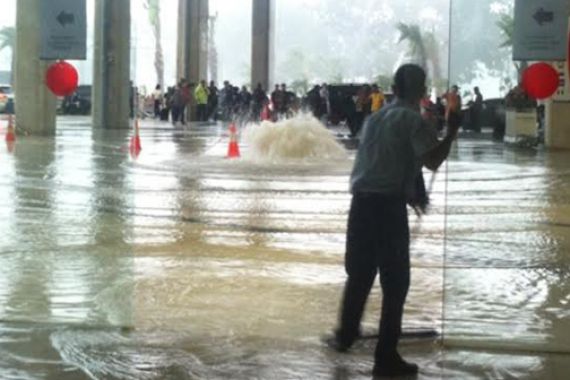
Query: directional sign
x,y
63,29
540,32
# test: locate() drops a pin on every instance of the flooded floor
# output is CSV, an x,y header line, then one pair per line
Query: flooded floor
x,y
181,264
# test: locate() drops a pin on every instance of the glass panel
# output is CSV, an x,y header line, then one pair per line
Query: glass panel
x,y
507,281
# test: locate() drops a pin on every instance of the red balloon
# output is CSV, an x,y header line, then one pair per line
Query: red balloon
x,y
62,78
540,80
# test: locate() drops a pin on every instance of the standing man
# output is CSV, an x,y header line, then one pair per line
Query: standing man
x,y
395,144
201,95
376,98
277,99
477,110
259,101
453,106
212,101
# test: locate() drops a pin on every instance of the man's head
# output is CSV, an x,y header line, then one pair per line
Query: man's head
x,y
203,83
476,89
375,88
410,83
455,89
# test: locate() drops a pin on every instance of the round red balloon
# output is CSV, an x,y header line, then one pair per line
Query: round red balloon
x,y
541,80
62,78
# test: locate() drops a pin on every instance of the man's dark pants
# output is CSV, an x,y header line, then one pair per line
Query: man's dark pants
x,y
378,241
202,112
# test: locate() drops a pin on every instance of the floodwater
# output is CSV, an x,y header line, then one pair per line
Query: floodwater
x,y
181,264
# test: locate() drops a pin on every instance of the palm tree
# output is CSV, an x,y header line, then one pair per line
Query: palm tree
x,y
8,40
506,24
153,8
417,48
432,51
423,50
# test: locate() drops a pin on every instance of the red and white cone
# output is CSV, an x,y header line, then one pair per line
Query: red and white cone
x,y
135,145
233,147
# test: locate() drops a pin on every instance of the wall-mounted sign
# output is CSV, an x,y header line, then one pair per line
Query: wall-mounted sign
x,y
541,28
63,29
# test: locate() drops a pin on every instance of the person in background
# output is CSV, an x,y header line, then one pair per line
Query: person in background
x,y
325,99
363,107
453,106
376,98
212,101
225,100
245,99
157,100
201,95
396,143
132,92
277,100
180,101
440,113
259,101
477,110
291,104
315,102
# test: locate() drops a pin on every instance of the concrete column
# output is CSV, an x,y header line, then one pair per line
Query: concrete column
x,y
557,124
35,104
262,43
192,60
111,76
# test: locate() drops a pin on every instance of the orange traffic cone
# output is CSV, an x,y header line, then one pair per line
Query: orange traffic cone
x,y
135,146
233,148
10,132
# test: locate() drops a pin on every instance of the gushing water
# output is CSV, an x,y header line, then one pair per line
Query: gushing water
x,y
302,138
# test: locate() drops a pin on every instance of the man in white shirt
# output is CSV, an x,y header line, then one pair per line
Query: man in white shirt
x,y
396,143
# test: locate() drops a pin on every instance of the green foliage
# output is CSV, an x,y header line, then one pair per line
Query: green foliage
x,y
8,38
153,10
475,38
506,24
412,34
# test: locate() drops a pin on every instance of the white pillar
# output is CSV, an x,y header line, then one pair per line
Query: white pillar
x,y
35,104
111,77
557,124
192,60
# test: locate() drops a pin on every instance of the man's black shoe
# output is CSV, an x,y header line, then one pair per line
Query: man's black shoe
x,y
394,368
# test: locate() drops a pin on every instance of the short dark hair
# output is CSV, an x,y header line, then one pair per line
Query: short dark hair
x,y
409,81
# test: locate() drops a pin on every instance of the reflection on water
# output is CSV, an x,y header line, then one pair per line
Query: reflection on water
x,y
184,265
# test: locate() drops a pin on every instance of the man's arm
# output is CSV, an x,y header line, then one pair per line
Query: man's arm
x,y
435,157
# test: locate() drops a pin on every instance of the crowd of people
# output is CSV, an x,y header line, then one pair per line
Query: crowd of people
x,y
349,103
227,103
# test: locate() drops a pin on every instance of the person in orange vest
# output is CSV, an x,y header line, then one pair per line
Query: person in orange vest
x,y
377,98
453,106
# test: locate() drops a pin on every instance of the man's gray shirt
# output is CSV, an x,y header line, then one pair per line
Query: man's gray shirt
x,y
391,146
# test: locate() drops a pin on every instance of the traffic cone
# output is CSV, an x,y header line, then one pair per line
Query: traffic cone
x,y
10,132
233,148
135,145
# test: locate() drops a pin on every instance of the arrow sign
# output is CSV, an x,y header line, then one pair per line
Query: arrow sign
x,y
541,16
65,18
63,29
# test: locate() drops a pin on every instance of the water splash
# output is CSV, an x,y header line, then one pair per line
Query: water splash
x,y
302,138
